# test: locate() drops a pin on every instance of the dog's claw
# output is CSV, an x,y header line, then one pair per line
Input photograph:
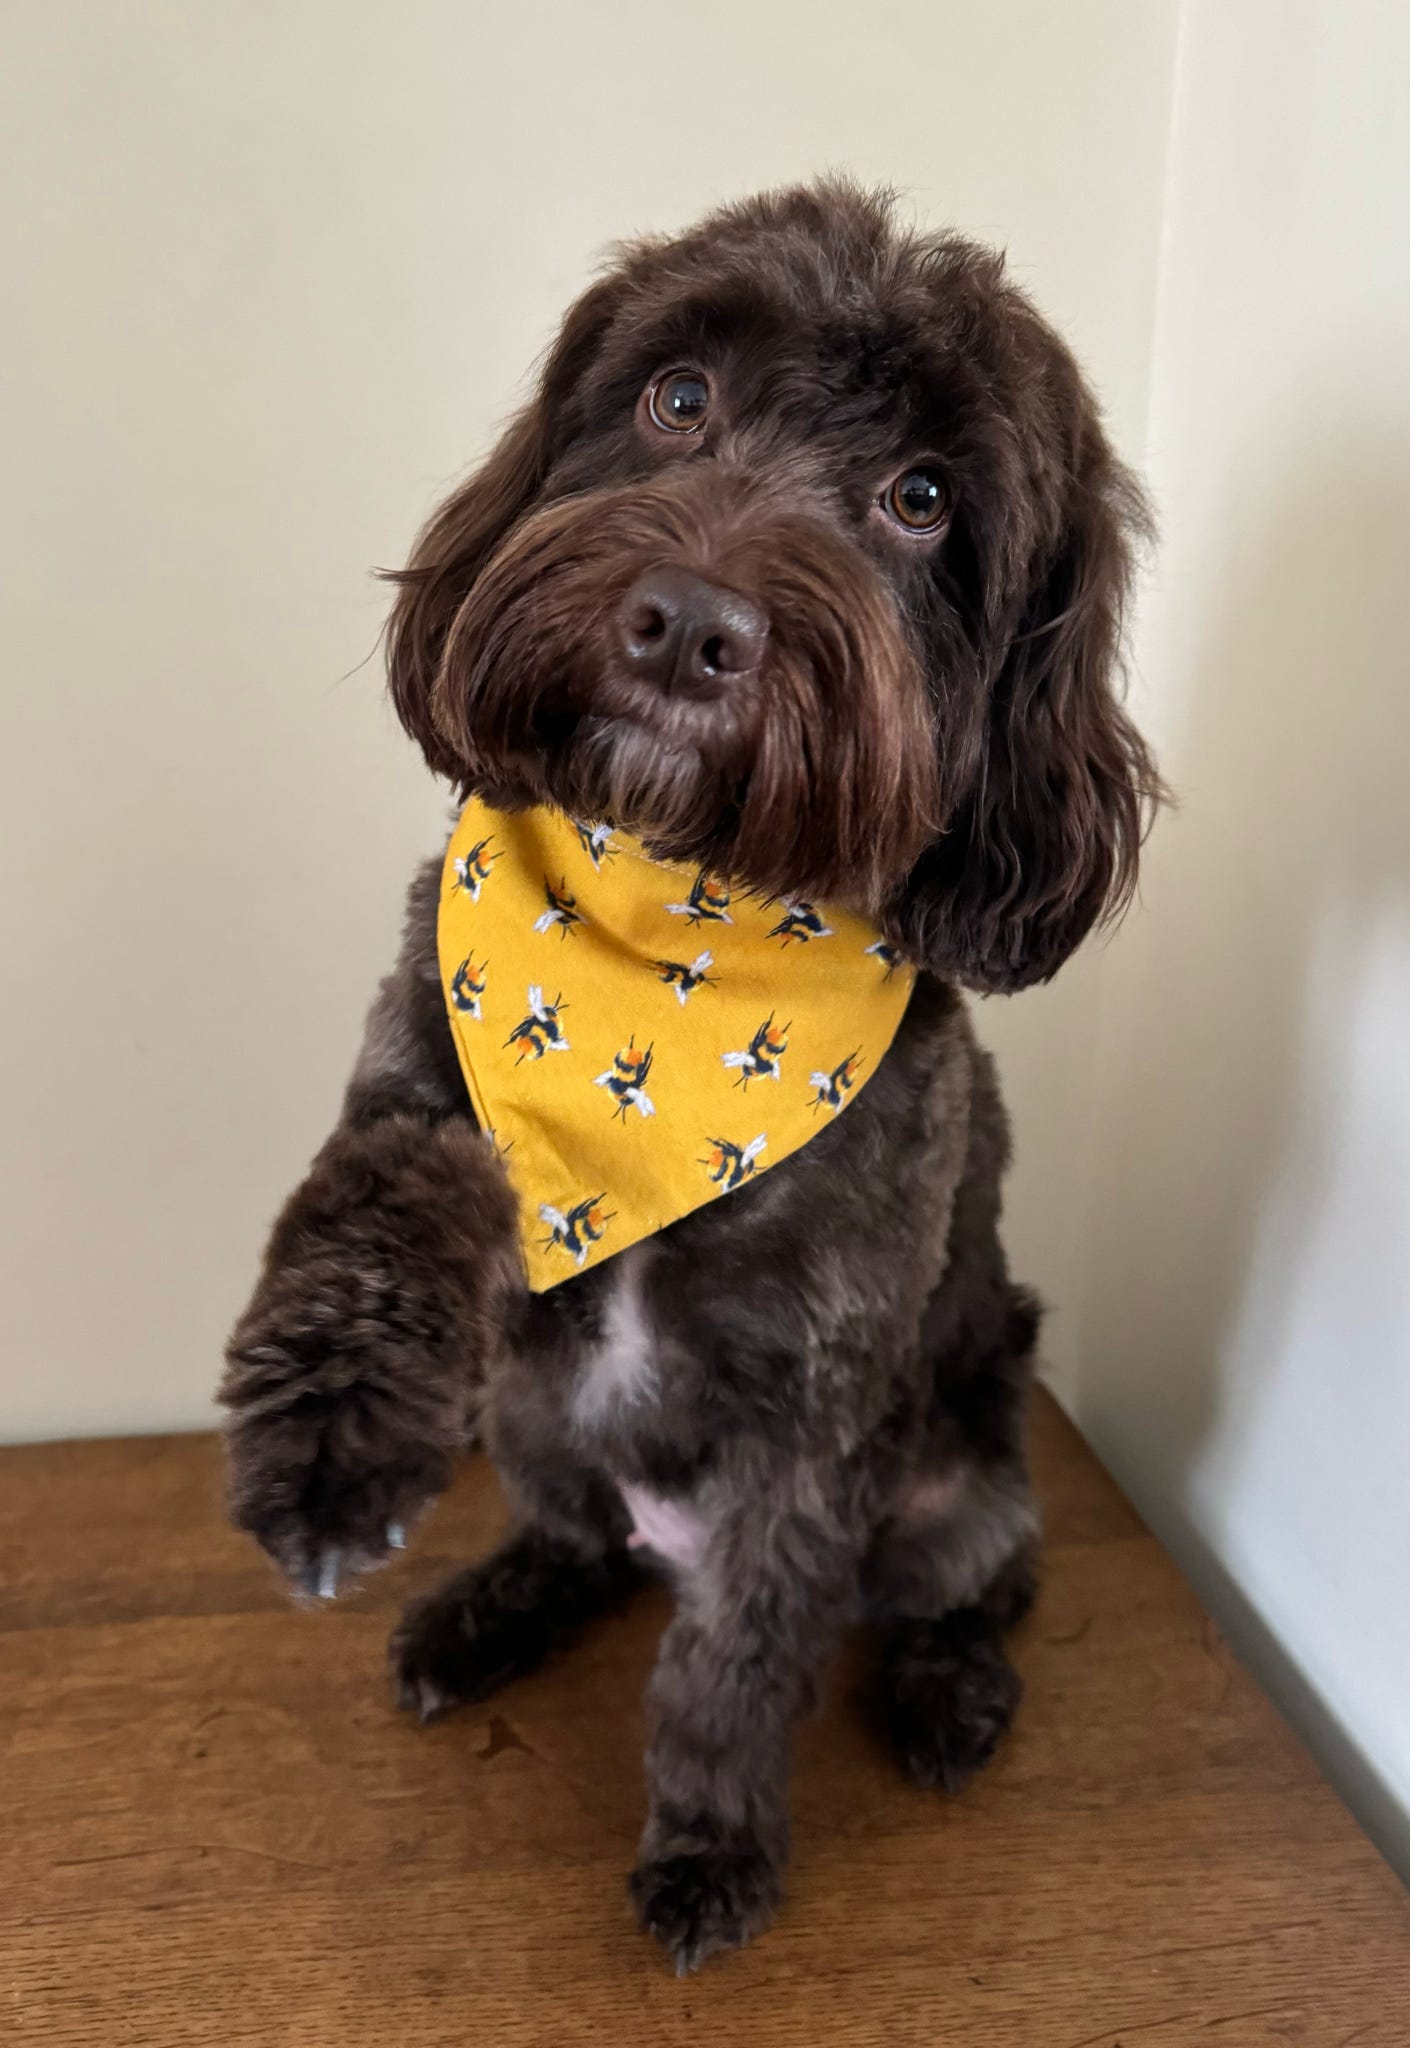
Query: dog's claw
x,y
431,1702
322,1575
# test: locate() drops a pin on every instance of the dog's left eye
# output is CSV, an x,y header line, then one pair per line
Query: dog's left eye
x,y
679,402
916,500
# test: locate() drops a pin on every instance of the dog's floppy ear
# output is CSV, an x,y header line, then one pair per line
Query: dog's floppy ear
x,y
1045,840
458,540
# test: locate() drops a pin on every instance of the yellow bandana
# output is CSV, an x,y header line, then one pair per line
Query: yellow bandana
x,y
636,1039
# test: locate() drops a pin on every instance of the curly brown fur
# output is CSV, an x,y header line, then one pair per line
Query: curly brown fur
x,y
825,1372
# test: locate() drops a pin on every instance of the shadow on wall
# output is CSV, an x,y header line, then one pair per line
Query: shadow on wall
x,y
1245,1252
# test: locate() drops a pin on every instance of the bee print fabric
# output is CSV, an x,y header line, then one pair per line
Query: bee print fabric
x,y
638,1039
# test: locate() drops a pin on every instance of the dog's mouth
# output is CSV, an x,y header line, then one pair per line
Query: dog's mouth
x,y
607,746
721,733
592,709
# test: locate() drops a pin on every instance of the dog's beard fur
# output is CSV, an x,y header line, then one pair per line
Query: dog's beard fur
x,y
813,776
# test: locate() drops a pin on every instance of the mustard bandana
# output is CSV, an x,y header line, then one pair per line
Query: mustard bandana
x,y
637,1039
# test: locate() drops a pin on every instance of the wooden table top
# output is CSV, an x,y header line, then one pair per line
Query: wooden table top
x,y
215,1829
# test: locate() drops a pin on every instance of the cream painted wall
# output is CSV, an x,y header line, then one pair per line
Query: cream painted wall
x,y
1243,1320
273,275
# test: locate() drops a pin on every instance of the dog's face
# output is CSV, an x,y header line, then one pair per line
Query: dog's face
x,y
805,564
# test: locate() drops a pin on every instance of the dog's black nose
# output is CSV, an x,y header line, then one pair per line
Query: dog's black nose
x,y
683,633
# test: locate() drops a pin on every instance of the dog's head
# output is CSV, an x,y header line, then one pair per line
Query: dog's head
x,y
805,563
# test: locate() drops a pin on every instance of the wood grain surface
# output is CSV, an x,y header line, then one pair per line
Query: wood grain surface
x,y
214,1828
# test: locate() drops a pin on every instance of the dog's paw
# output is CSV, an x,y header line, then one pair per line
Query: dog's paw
x,y
458,1645
331,1457
947,1694
496,1621
328,1488
701,1902
323,1509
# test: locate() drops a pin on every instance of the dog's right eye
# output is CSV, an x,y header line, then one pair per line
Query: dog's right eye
x,y
679,402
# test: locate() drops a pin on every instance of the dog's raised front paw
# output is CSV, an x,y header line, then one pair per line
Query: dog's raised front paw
x,y
701,1902
336,1445
324,1512
328,1488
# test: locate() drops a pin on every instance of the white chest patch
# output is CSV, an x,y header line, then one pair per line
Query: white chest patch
x,y
618,1379
619,1372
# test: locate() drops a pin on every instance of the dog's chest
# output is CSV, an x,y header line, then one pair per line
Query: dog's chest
x,y
617,1392
617,1384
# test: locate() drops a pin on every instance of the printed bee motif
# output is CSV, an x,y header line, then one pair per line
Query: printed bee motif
x,y
760,1062
728,1164
708,902
596,842
467,986
584,1225
888,955
562,909
540,1031
472,869
686,980
833,1089
625,1081
800,921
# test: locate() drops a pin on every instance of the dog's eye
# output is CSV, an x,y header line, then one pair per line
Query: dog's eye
x,y
916,500
679,402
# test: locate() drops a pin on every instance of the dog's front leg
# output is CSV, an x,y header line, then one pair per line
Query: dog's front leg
x,y
755,1621
351,1377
